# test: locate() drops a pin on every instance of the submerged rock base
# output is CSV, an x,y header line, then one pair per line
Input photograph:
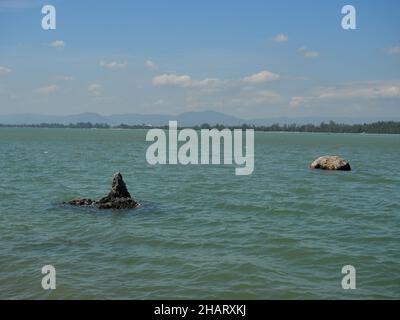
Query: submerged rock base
x,y
118,198
331,163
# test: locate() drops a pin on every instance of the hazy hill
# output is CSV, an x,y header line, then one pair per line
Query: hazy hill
x,y
184,119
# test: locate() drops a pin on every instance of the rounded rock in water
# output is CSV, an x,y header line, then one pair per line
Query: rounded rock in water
x,y
331,163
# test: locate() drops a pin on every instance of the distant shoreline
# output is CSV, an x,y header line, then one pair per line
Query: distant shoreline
x,y
381,127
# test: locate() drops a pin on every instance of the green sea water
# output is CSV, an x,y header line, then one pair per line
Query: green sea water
x,y
284,232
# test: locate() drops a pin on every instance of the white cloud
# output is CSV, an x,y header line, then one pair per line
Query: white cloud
x,y
151,65
253,98
172,80
94,89
368,90
392,50
113,65
206,83
261,77
308,53
184,81
281,38
58,44
5,70
297,101
47,90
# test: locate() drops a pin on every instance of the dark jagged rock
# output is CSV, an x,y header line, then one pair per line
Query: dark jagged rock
x,y
118,188
118,198
81,202
331,163
117,203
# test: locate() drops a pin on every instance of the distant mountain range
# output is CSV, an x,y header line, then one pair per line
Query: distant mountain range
x,y
184,119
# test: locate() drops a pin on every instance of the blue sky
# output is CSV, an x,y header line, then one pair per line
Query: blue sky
x,y
251,59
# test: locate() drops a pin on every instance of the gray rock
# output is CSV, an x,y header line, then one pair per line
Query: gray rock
x,y
330,163
81,202
118,188
118,198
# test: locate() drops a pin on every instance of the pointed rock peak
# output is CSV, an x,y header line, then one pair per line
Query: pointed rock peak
x,y
119,189
118,198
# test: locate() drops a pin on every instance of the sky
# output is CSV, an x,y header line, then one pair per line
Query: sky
x,y
250,59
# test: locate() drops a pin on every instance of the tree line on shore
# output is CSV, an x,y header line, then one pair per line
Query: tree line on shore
x,y
388,127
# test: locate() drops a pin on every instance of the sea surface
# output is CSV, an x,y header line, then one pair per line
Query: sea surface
x,y
284,232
